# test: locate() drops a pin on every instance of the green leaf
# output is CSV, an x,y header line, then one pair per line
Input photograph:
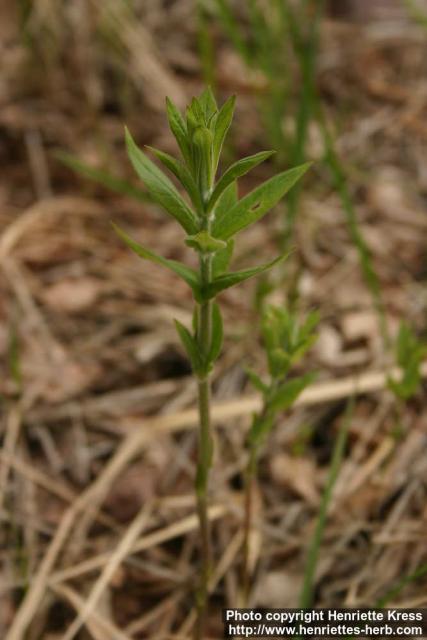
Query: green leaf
x,y
181,172
205,243
230,279
256,204
289,391
208,104
103,178
195,114
261,426
189,275
179,129
222,259
202,159
410,353
238,169
226,201
190,346
217,334
279,362
256,381
286,340
222,124
160,187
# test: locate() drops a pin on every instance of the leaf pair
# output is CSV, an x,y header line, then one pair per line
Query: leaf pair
x,y
257,203
286,340
161,188
220,282
202,363
278,399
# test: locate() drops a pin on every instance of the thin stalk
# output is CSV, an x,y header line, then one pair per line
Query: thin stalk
x,y
306,597
205,450
251,474
205,44
365,258
250,480
306,49
420,572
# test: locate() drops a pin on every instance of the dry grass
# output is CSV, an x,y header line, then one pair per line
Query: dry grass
x,y
98,532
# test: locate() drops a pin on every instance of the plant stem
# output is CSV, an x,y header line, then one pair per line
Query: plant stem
x,y
251,473
205,448
306,596
250,479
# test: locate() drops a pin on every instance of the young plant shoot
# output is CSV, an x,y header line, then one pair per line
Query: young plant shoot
x,y
409,353
211,215
286,340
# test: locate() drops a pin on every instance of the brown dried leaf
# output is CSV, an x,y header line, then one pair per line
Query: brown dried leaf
x,y
72,295
298,474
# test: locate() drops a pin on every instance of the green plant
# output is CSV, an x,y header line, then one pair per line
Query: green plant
x,y
416,12
409,353
211,217
286,340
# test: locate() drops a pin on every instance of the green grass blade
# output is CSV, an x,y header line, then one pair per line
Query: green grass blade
x,y
416,13
103,178
420,572
205,44
306,49
365,258
188,275
232,29
306,597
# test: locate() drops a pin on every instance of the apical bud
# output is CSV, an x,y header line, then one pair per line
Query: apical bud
x,y
203,159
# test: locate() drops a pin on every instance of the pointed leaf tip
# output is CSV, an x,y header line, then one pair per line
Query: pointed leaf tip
x,y
188,275
257,203
230,279
160,187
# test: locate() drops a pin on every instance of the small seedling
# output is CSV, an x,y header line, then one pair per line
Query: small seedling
x,y
211,216
286,340
410,353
